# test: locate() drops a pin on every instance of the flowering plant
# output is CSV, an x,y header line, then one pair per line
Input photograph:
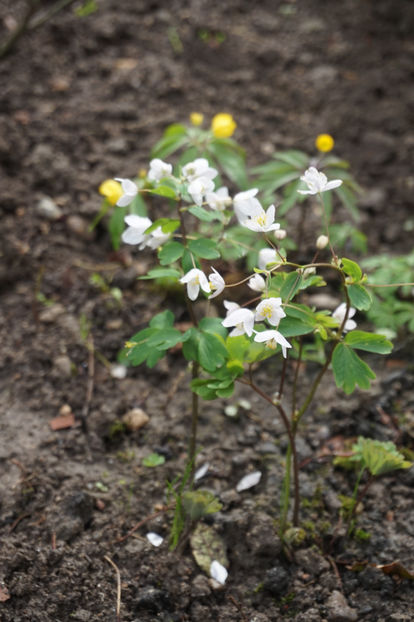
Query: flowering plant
x,y
202,223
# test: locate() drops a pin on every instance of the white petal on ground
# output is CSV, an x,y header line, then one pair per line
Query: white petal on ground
x,y
201,471
218,572
248,481
154,538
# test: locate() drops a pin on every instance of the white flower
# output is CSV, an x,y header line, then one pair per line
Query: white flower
x,y
339,315
159,169
263,221
154,538
230,306
248,481
199,168
219,199
130,191
272,338
218,572
135,232
157,238
217,283
257,283
195,279
266,256
270,309
246,205
199,187
318,182
242,320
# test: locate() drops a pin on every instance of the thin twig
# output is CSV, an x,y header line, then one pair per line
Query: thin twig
x,y
143,521
118,587
20,28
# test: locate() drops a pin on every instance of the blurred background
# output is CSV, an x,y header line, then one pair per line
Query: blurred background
x,y
87,91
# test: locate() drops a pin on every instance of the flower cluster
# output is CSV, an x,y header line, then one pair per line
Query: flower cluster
x,y
196,184
242,321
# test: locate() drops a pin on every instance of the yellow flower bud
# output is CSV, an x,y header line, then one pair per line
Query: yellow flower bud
x,y
196,118
324,142
223,125
111,190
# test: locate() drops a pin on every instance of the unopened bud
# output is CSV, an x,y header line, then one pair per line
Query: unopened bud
x,y
322,242
280,234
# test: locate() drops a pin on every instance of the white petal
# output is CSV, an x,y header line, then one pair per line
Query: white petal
x,y
248,481
192,290
138,222
132,236
201,471
335,183
154,538
218,572
125,200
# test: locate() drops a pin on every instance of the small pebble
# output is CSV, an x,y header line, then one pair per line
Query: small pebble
x,y
135,419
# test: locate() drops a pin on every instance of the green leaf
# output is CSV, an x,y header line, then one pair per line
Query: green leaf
x,y
347,197
165,319
117,225
165,339
370,342
213,325
380,457
359,296
170,252
158,273
294,157
153,460
138,206
204,248
352,269
168,225
199,503
291,286
190,344
203,214
349,370
174,137
211,352
164,191
231,159
291,196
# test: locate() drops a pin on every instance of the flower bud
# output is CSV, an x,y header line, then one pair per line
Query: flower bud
x,y
196,118
322,242
280,234
223,125
111,190
324,142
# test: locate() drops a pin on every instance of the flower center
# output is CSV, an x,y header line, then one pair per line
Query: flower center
x,y
271,344
261,220
267,311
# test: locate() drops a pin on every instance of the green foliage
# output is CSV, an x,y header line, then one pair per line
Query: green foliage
x,y
284,170
392,308
153,460
199,503
379,457
349,370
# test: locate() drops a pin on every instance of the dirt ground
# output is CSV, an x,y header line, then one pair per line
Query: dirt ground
x,y
82,100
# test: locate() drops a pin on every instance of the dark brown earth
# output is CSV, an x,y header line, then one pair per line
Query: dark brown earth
x,y
82,100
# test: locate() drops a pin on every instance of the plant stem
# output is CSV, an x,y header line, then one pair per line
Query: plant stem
x,y
194,421
291,453
357,500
